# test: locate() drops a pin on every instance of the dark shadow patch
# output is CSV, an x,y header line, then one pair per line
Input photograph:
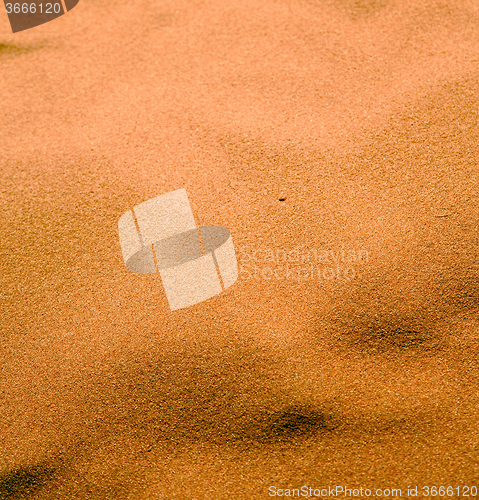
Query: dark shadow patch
x,y
228,397
24,482
367,6
296,422
287,426
359,9
393,310
14,49
380,336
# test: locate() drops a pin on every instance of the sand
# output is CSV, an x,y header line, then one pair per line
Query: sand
x,y
362,117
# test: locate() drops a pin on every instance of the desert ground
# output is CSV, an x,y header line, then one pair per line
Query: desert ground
x,y
340,130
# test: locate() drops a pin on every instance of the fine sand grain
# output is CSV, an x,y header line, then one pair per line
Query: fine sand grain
x,y
300,125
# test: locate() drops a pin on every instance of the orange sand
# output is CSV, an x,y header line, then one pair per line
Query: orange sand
x,y
363,116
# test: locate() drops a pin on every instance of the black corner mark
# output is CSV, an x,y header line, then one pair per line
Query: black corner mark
x,y
24,15
69,4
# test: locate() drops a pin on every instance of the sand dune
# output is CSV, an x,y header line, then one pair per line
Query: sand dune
x,y
361,117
